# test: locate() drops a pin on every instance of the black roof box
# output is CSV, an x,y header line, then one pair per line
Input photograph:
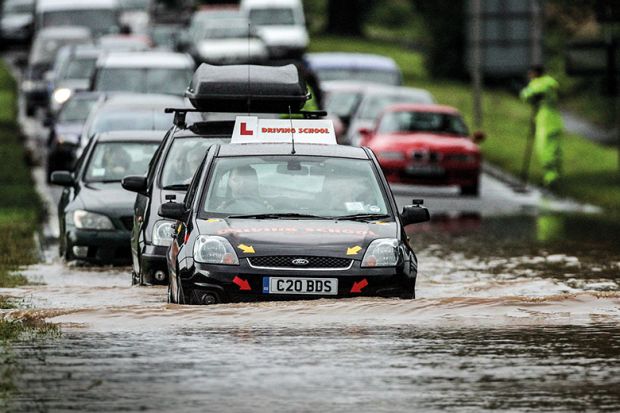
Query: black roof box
x,y
271,89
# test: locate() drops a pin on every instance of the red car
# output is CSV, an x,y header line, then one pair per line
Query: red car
x,y
426,145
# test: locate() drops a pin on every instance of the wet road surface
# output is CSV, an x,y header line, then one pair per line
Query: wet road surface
x,y
526,320
518,309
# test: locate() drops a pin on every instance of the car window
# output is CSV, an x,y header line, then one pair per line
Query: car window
x,y
82,68
373,105
422,122
112,161
285,184
342,104
272,16
183,159
140,80
99,20
364,75
76,110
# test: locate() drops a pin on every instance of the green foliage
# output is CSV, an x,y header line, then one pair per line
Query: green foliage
x,y
20,205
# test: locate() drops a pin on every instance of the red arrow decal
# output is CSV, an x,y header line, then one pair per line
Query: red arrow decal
x,y
243,284
245,130
357,287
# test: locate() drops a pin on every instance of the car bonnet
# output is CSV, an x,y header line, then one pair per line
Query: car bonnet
x,y
271,237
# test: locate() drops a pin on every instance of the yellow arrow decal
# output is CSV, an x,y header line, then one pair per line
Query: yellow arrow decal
x,y
354,250
248,249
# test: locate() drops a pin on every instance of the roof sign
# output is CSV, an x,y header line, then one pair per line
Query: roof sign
x,y
251,129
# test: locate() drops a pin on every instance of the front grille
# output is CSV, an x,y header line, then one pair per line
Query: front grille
x,y
287,262
426,156
127,222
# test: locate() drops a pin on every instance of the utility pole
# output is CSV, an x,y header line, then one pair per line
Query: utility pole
x,y
476,63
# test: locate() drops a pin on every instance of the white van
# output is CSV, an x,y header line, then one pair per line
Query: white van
x,y
281,25
100,16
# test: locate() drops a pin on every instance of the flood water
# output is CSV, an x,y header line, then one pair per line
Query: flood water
x,y
513,314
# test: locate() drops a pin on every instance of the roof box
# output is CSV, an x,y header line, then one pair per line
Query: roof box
x,y
247,88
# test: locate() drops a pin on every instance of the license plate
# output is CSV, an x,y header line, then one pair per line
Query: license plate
x,y
425,170
290,285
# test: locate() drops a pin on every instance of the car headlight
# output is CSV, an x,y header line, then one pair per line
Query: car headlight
x,y
69,138
392,155
61,95
382,253
214,250
90,220
163,231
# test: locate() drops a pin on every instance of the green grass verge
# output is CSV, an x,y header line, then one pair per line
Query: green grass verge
x,y
20,216
20,205
590,170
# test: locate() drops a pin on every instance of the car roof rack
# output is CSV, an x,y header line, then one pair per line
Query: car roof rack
x,y
180,115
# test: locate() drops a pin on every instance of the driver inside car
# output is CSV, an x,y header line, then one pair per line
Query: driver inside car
x,y
243,196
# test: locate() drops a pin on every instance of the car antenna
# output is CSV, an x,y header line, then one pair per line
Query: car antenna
x,y
249,89
290,119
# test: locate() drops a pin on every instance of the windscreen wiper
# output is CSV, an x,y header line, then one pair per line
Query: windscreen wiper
x,y
177,187
278,216
362,217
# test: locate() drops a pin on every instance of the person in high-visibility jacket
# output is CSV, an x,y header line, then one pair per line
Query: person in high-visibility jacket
x,y
542,94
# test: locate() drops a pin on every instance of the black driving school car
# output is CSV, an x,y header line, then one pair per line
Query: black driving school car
x,y
94,212
273,221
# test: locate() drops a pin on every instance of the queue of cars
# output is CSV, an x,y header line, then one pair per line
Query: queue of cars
x,y
223,182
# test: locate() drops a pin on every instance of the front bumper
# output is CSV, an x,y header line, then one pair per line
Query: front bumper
x,y
353,282
153,259
436,175
105,247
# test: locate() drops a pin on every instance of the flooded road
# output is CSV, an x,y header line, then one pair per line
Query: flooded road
x,y
513,313
518,309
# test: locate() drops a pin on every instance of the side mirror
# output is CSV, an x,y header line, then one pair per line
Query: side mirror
x,y
134,184
62,178
365,135
172,210
478,136
414,214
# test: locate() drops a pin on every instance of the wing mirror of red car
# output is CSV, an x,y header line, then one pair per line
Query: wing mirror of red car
x,y
478,136
365,135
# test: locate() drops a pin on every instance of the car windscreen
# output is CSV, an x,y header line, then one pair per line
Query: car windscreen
x,y
127,119
98,20
230,30
81,68
272,17
374,104
422,122
341,103
76,110
14,7
112,161
183,159
363,75
142,80
323,186
45,49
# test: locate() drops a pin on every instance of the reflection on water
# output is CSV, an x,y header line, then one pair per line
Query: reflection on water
x,y
354,368
514,313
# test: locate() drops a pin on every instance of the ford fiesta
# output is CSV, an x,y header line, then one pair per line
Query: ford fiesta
x,y
272,221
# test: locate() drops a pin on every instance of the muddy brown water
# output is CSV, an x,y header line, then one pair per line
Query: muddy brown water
x,y
513,314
